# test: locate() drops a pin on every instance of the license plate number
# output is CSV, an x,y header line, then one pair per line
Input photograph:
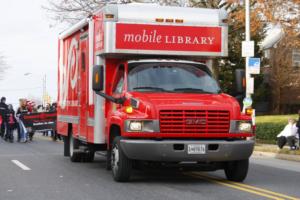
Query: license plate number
x,y
196,149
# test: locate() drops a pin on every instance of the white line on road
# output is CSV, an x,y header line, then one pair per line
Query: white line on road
x,y
21,165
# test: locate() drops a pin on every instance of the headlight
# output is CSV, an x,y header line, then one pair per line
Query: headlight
x,y
135,126
142,126
237,126
245,127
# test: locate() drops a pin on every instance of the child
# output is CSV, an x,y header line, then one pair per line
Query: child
x,y
288,135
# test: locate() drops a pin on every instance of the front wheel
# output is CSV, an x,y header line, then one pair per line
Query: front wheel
x,y
121,165
237,170
108,160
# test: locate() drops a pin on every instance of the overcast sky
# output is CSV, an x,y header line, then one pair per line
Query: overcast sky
x,y
30,46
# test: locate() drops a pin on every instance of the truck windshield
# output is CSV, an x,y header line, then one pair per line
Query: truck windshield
x,y
171,77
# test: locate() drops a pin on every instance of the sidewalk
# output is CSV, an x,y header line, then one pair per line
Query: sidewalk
x,y
269,150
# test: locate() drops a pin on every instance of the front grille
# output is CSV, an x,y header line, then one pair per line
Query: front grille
x,y
194,121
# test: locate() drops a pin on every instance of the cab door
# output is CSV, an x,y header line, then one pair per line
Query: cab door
x,y
83,89
117,89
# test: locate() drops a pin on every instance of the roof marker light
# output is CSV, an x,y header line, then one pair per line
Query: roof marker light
x,y
179,20
109,16
159,20
170,20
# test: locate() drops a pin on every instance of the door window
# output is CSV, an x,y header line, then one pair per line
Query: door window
x,y
119,83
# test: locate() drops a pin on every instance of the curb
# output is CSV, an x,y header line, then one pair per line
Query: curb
x,y
277,156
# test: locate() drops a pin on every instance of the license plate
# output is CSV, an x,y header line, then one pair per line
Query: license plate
x,y
196,149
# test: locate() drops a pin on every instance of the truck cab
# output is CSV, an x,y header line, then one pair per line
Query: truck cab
x,y
168,110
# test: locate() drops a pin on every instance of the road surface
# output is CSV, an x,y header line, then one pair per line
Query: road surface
x,y
38,171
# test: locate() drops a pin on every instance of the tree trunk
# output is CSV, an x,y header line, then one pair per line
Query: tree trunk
x,y
276,100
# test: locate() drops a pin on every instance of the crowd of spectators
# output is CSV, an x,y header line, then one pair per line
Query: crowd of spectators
x,y
11,120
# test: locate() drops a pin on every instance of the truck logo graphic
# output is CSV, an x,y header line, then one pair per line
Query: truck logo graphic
x,y
195,121
68,72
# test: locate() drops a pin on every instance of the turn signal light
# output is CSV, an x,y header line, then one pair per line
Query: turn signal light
x,y
129,110
249,111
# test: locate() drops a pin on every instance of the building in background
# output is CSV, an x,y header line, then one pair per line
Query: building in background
x,y
281,70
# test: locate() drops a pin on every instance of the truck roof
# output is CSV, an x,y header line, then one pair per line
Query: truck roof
x,y
148,13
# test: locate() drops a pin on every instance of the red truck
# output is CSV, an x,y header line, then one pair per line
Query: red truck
x,y
135,81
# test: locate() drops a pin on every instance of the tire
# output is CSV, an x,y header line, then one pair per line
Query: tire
x,y
74,145
237,170
89,156
66,146
120,165
108,160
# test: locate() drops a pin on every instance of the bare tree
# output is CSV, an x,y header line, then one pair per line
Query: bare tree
x,y
71,11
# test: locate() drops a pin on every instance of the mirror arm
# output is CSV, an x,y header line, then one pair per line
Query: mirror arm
x,y
112,99
120,100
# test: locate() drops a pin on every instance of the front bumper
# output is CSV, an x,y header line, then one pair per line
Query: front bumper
x,y
153,150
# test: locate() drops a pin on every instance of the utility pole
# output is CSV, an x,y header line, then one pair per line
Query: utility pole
x,y
247,52
247,39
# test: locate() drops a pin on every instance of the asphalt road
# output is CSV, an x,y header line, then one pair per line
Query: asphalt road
x,y
38,171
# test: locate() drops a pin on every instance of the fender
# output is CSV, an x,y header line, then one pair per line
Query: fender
x,y
117,121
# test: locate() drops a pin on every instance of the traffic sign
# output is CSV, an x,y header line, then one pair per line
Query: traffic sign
x,y
254,65
248,48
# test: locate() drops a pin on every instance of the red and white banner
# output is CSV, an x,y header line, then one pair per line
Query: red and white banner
x,y
168,38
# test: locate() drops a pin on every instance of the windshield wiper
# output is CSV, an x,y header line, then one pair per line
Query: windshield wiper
x,y
149,88
192,90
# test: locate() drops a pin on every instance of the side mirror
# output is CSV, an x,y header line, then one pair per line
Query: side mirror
x,y
240,81
98,78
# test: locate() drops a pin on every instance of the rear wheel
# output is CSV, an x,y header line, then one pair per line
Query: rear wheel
x,y
89,156
237,170
66,146
74,145
121,165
